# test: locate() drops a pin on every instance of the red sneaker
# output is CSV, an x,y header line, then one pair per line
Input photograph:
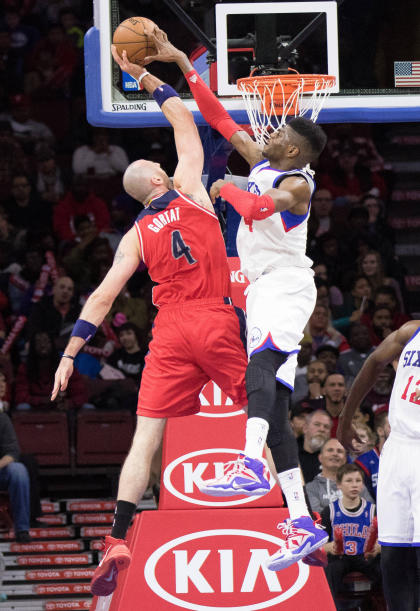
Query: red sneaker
x,y
117,557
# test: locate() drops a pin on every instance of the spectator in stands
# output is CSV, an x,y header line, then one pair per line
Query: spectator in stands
x,y
368,461
297,417
367,441
71,26
349,179
308,387
351,362
356,302
129,359
79,201
86,260
134,308
320,330
329,251
99,157
22,38
377,226
123,213
49,182
379,324
22,279
323,489
320,220
4,396
15,479
386,296
64,57
33,380
378,397
24,208
10,67
316,431
353,514
371,265
28,132
335,295
328,354
12,158
55,314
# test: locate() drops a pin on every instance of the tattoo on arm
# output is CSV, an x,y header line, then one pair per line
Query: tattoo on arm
x,y
119,256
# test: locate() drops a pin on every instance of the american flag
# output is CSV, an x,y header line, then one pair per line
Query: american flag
x,y
407,74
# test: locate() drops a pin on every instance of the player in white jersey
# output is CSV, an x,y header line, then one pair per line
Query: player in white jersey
x,y
398,496
280,300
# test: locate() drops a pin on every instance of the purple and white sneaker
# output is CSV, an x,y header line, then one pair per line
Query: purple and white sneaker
x,y
303,536
244,476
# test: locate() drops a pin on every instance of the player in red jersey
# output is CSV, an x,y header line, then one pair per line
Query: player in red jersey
x,y
196,336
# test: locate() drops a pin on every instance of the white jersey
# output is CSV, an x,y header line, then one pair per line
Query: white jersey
x,y
279,240
404,409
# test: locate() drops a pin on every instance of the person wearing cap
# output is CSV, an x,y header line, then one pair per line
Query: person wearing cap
x,y
328,354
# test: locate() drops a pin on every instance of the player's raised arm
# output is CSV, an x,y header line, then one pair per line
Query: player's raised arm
x,y
126,261
210,107
384,354
187,176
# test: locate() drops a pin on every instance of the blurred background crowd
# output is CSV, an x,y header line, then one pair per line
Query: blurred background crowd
x,y
63,212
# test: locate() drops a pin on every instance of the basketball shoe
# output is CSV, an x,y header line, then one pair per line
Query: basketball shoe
x,y
245,475
116,558
303,537
319,556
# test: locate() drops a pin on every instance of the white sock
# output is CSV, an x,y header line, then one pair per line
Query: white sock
x,y
256,435
291,484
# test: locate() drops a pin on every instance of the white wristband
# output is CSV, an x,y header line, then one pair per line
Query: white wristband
x,y
141,77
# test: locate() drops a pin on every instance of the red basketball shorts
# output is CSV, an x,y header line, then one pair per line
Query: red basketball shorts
x,y
193,343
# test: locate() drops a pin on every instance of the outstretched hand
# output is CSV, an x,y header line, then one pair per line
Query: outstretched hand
x,y
133,70
166,52
215,189
346,434
62,376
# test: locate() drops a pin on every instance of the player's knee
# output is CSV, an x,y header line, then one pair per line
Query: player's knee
x,y
262,369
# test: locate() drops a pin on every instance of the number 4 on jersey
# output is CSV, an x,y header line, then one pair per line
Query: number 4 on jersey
x,y
180,249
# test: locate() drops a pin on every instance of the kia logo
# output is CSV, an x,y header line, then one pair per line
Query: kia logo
x,y
215,403
217,569
191,473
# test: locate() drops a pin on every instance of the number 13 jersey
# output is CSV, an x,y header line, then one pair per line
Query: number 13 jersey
x,y
404,408
183,248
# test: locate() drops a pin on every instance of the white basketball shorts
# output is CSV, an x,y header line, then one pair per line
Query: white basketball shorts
x,y
278,306
398,495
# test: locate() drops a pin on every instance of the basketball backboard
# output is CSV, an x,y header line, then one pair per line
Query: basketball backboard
x,y
365,44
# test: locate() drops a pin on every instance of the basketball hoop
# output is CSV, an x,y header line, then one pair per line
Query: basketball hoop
x,y
270,99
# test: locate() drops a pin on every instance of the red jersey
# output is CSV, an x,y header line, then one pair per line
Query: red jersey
x,y
183,248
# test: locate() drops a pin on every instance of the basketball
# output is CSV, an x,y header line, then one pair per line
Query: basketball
x,y
133,36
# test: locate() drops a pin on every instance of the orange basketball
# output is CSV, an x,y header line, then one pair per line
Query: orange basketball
x,y
133,36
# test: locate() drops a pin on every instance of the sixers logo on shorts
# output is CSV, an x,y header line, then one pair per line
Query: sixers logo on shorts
x,y
255,337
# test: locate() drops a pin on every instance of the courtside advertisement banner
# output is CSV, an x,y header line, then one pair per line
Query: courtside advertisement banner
x,y
214,560
195,449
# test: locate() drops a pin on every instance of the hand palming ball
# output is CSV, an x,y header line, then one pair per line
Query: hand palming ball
x,y
133,35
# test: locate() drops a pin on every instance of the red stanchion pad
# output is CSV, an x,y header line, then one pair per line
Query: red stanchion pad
x,y
206,560
196,448
238,282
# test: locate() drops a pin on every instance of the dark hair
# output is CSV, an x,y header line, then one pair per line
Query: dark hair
x,y
319,282
328,348
385,289
347,468
313,134
32,363
130,326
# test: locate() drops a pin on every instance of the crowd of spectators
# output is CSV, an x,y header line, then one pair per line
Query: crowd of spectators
x,y
63,211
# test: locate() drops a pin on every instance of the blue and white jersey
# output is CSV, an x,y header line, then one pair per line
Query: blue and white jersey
x,y
354,524
278,241
404,408
369,463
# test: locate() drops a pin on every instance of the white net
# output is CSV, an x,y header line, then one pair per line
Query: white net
x,y
269,100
